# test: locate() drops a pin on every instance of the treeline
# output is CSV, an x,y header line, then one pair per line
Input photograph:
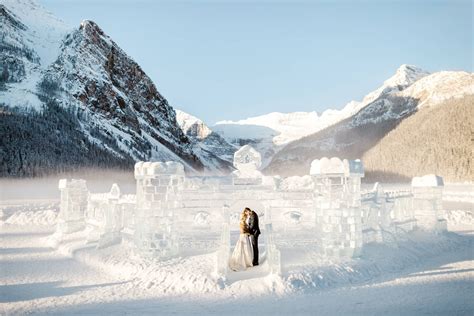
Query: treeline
x,y
37,143
438,139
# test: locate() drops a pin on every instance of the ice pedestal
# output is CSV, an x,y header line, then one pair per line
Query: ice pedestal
x,y
74,196
156,191
113,219
376,218
403,214
427,202
273,254
337,205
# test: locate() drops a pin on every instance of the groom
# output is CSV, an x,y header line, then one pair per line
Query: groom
x,y
254,232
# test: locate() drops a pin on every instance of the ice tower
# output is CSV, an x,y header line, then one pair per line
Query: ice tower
x,y
337,205
157,183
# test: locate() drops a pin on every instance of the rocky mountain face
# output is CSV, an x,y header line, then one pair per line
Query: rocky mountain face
x,y
207,144
16,56
383,112
116,98
81,92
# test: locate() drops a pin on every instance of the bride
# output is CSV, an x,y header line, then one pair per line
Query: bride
x,y
243,252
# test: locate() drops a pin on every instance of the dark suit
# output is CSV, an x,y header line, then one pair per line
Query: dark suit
x,y
254,233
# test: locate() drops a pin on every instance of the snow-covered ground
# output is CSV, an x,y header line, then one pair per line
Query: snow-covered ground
x,y
418,274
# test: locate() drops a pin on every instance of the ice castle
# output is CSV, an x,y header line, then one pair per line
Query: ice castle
x,y
323,214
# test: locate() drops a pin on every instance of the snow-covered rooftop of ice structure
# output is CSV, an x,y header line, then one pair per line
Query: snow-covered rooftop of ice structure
x,y
336,166
429,180
156,168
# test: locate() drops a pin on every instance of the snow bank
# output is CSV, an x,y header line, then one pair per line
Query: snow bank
x,y
376,261
194,274
459,192
38,218
296,183
460,217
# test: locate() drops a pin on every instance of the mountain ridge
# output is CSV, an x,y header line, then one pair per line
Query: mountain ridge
x,y
354,136
115,104
108,109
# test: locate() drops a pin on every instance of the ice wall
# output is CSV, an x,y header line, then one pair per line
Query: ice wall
x,y
104,217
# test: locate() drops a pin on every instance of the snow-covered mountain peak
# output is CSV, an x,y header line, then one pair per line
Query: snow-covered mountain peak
x,y
92,29
88,23
282,127
191,125
275,120
405,76
208,145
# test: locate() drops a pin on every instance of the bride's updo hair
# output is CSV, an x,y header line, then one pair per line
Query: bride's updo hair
x,y
243,215
243,221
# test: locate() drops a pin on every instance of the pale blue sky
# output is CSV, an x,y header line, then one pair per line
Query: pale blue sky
x,y
232,60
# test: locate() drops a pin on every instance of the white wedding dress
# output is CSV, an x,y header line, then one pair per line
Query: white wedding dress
x,y
242,256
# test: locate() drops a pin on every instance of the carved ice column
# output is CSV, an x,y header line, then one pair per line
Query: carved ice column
x,y
427,202
156,186
337,205
376,215
74,196
273,254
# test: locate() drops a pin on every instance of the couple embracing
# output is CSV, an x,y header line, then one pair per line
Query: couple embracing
x,y
246,250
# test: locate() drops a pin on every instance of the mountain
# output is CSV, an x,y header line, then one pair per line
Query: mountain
x,y
116,98
259,137
384,110
71,98
30,38
207,144
271,132
434,140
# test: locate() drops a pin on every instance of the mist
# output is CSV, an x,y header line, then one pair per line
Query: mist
x,y
98,181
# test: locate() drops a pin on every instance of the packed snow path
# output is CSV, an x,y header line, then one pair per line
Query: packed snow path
x,y
39,279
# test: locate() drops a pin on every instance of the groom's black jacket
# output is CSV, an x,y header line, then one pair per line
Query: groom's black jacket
x,y
253,224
